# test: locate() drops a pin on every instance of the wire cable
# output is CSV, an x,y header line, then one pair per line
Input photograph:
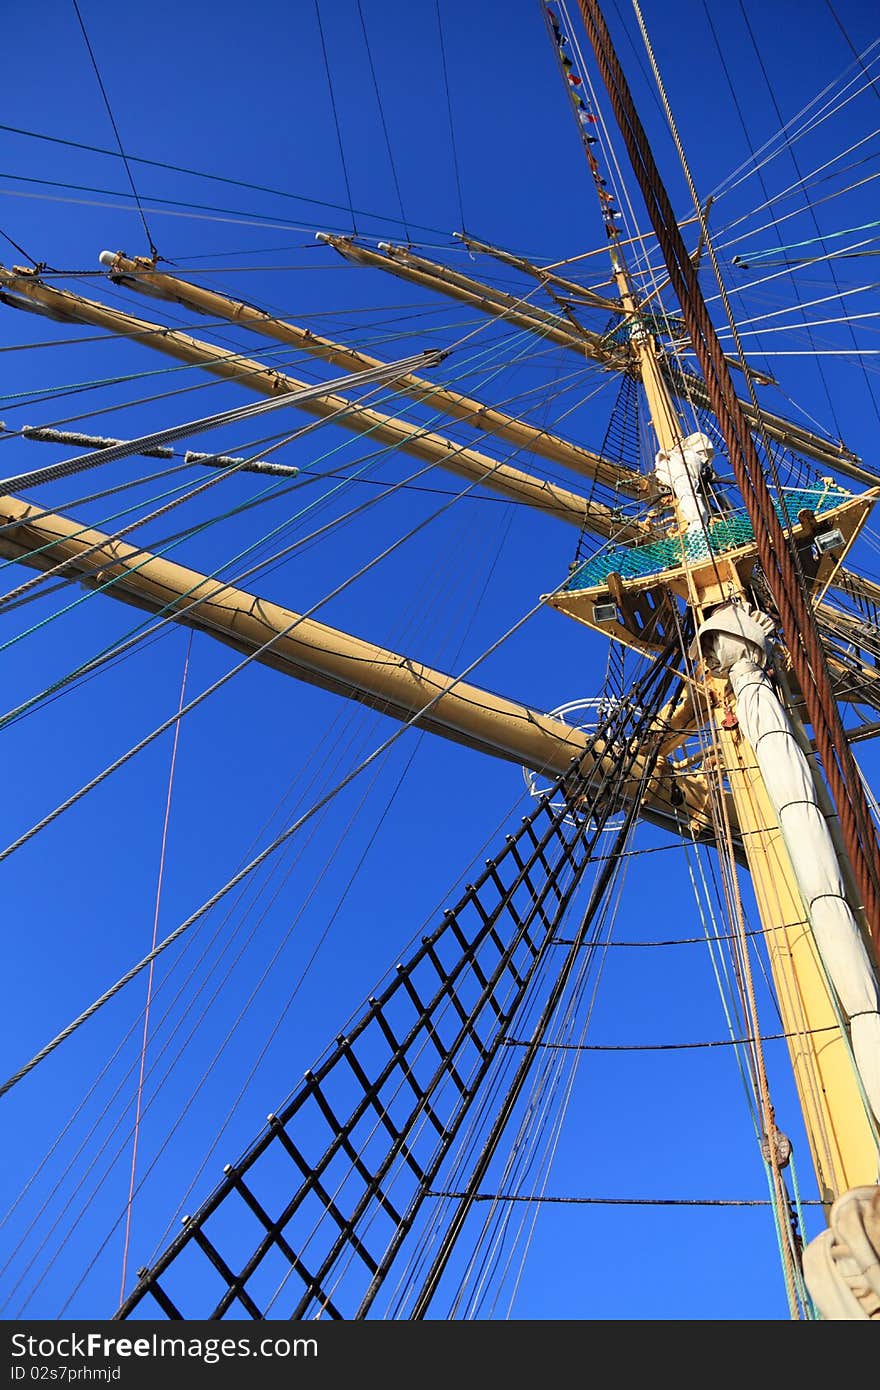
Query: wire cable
x,y
153,252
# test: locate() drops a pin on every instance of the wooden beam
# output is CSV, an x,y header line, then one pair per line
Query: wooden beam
x,y
430,274
472,464
140,274
322,655
518,313
566,288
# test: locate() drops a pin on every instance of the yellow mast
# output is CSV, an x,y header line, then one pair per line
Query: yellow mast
x,y
842,1139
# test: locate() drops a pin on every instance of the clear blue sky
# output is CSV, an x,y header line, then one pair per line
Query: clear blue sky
x,y
242,92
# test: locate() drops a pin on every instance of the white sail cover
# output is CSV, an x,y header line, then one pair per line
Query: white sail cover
x,y
789,783
842,1265
736,640
679,469
731,632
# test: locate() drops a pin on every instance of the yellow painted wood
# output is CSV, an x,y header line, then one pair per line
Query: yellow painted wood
x,y
141,275
420,270
322,655
842,1143
381,429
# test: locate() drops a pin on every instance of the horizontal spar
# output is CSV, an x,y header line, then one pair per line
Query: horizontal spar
x,y
140,275
597,347
519,312
26,290
318,654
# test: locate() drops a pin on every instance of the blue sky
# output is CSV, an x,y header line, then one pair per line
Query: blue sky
x,y
243,94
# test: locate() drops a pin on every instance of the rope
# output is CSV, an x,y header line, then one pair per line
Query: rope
x,y
270,849
126,447
155,936
153,252
335,116
619,1201
418,608
20,249
445,72
852,48
677,1046
654,690
773,548
812,212
739,111
214,178
818,117
491,1096
381,107
174,613
330,861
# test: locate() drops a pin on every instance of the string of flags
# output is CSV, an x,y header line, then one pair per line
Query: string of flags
x,y
587,121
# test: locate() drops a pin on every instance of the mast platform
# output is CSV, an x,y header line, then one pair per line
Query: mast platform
x,y
626,591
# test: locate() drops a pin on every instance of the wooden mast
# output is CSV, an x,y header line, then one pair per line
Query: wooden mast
x,y
840,1133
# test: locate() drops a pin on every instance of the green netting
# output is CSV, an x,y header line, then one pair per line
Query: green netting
x,y
651,323
726,533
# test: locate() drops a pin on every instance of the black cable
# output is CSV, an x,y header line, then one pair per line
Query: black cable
x,y
634,48
648,696
449,113
335,116
20,249
666,1047
238,214
384,123
767,199
812,211
855,52
215,178
153,252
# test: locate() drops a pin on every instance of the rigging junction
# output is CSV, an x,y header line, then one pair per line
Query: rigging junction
x,y
700,590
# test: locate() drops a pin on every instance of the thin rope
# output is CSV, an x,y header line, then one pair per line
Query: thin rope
x,y
618,1201
143,1058
385,131
331,860
789,144
445,72
335,117
215,178
153,252
20,249
852,48
376,704
174,433
260,858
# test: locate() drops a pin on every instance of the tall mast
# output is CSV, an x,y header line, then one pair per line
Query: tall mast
x,y
841,1130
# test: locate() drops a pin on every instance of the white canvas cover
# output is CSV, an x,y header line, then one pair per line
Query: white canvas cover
x,y
731,632
789,783
842,1265
679,469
